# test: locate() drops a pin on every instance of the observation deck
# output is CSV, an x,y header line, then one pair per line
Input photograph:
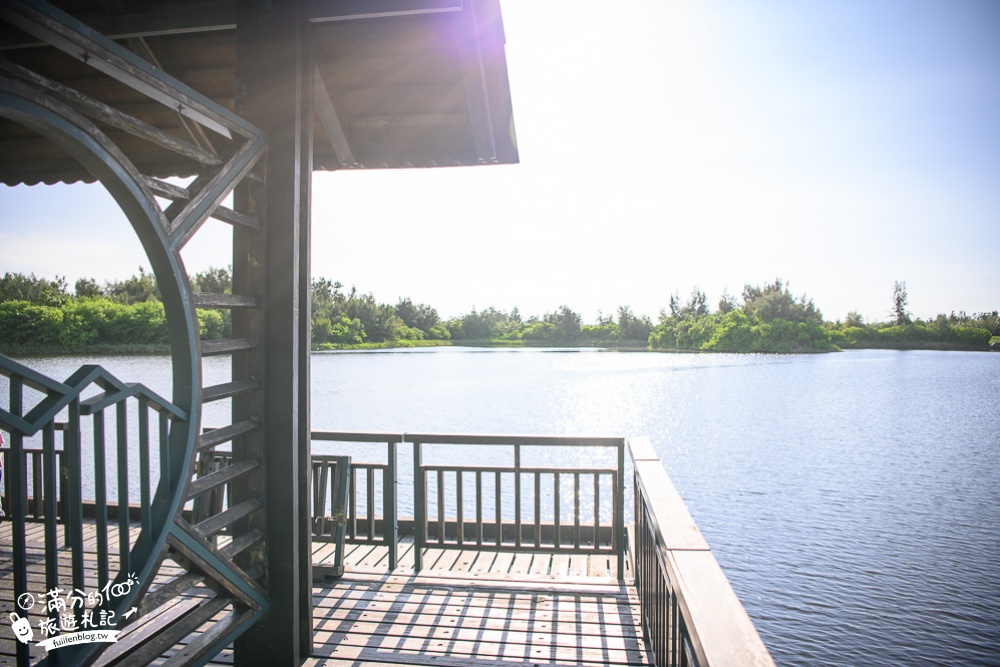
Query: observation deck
x,y
500,563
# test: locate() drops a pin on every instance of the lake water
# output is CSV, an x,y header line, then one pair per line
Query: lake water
x,y
853,499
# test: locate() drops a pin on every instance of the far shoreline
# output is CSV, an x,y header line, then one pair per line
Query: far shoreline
x,y
161,350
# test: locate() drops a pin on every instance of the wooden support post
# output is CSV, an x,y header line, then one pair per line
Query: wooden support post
x,y
274,72
419,508
390,526
306,71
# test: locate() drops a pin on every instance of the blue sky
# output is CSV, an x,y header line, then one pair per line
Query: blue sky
x,y
666,145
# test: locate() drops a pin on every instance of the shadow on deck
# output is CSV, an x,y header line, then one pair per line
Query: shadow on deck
x,y
468,607
464,607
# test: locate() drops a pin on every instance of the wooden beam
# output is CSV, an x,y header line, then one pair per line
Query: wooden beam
x,y
207,18
219,16
331,121
322,11
275,70
303,416
195,132
111,116
477,100
81,42
409,120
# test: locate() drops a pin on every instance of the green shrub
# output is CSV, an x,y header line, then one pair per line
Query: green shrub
x,y
542,332
602,334
25,323
439,332
972,336
663,337
146,322
694,333
97,320
837,337
347,331
903,333
410,333
211,324
734,333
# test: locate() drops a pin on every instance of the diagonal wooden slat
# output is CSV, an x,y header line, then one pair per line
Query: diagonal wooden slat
x,y
81,42
219,477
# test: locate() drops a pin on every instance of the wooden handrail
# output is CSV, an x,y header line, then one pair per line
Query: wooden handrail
x,y
690,613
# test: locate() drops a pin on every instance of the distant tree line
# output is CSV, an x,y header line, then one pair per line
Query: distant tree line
x,y
770,319
38,314
42,314
959,330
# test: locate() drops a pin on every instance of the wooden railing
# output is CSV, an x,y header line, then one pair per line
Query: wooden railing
x,y
690,614
124,464
569,509
372,489
537,525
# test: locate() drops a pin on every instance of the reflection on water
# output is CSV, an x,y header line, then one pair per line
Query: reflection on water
x,y
851,498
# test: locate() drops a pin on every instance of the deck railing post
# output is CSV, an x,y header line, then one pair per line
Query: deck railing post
x,y
390,518
419,508
17,488
145,488
342,485
517,495
50,482
73,501
100,497
619,536
121,424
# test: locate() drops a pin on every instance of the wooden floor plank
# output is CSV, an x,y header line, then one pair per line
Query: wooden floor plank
x,y
565,622
560,565
467,607
471,601
521,563
502,563
540,564
481,562
322,551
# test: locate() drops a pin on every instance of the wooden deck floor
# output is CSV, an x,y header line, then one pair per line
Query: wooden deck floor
x,y
464,608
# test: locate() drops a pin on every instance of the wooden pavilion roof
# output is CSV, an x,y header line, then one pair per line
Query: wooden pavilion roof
x,y
398,83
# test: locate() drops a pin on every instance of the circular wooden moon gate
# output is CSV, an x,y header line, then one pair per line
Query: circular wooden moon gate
x,y
183,564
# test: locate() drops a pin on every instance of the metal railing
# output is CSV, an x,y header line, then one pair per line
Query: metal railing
x,y
690,614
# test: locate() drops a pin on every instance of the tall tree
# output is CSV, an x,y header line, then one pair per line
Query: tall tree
x,y
19,287
418,316
567,322
136,289
697,305
899,299
87,288
675,305
633,327
727,302
775,301
213,281
854,319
